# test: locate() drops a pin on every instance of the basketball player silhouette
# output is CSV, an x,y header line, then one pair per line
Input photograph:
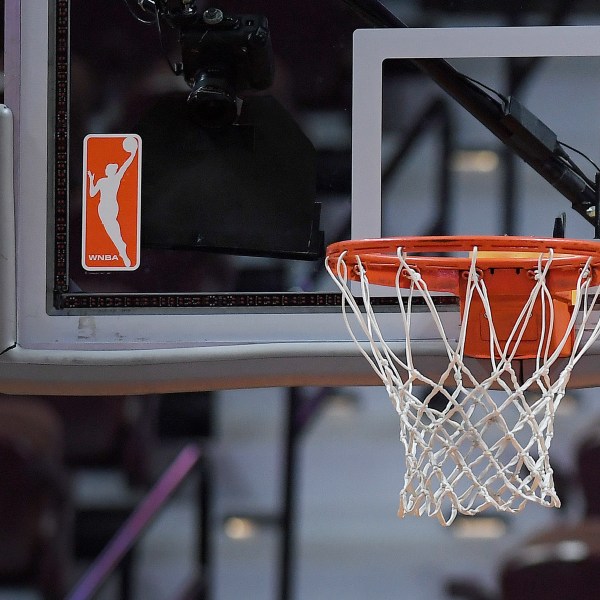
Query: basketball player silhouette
x,y
108,207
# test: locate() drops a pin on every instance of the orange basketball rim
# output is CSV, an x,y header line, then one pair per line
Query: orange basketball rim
x,y
508,267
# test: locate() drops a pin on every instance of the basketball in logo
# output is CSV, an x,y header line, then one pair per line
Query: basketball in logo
x,y
111,202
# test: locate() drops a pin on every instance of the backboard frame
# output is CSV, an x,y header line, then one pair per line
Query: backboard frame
x,y
373,46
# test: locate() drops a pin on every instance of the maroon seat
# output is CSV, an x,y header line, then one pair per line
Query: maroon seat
x,y
588,454
35,511
109,431
560,564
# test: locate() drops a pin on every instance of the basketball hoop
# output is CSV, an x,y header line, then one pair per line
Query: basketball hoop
x,y
520,298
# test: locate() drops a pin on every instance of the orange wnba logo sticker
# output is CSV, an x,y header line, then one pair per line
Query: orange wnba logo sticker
x,y
112,168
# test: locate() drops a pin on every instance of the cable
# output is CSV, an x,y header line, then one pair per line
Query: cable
x,y
562,155
155,20
171,64
570,163
580,154
501,97
135,15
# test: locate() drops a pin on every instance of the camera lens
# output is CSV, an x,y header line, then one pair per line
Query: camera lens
x,y
213,100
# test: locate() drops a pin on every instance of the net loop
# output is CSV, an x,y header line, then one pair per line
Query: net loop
x,y
471,444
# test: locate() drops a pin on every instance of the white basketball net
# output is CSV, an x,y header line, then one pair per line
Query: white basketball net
x,y
477,452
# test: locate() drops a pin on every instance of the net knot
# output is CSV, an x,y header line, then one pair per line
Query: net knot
x,y
387,372
586,272
538,275
412,274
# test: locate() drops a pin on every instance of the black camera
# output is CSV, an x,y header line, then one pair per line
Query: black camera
x,y
222,56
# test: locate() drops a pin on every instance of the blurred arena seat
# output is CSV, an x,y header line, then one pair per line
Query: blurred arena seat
x,y
116,432
562,563
35,509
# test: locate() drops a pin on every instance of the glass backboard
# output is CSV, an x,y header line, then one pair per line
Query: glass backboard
x,y
215,278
